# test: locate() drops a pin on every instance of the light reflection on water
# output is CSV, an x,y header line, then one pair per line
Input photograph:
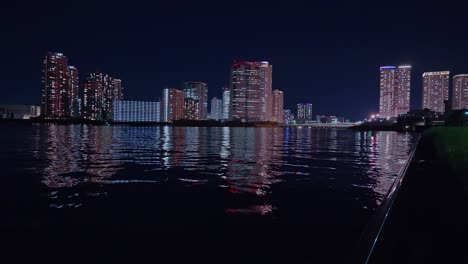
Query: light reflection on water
x,y
315,185
248,161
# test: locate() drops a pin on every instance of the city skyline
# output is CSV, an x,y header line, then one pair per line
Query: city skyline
x,y
249,95
325,41
250,90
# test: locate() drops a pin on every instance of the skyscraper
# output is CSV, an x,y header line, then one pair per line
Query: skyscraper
x,y
226,102
304,113
402,90
55,102
460,92
191,109
172,105
435,90
277,109
75,109
198,91
246,94
99,93
395,85
216,109
265,72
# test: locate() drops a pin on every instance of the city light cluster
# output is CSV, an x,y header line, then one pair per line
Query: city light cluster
x,y
395,86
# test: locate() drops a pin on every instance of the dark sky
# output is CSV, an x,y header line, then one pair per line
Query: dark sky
x,y
325,52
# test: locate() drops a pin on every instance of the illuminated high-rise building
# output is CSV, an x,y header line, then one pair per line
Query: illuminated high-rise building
x,y
460,92
74,98
402,90
100,91
198,91
435,90
246,93
172,105
191,109
304,113
277,106
216,112
226,102
55,102
266,100
395,85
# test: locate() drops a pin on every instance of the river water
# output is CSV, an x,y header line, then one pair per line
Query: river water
x,y
102,192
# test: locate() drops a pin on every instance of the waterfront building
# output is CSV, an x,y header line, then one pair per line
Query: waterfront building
x,y
100,91
226,102
304,113
250,91
191,109
288,116
435,90
395,86
55,101
73,96
277,106
330,119
216,112
16,111
198,91
460,92
136,111
266,100
172,105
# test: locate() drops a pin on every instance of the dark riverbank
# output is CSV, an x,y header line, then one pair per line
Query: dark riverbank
x,y
177,123
428,221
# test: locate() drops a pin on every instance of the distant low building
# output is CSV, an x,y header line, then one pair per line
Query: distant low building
x,y
419,118
304,113
137,111
457,117
330,119
15,111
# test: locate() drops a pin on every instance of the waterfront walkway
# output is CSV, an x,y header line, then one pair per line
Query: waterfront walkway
x,y
428,222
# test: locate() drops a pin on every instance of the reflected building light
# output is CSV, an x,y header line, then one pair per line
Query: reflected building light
x,y
166,146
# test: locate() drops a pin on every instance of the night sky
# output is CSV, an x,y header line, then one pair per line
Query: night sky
x,y
325,52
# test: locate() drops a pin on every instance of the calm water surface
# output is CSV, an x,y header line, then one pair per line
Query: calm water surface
x,y
71,192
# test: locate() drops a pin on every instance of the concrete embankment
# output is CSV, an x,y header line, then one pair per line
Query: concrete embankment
x,y
428,221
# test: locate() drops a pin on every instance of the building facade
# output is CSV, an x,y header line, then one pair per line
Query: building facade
x,y
172,105
55,101
216,112
460,92
100,91
226,102
13,111
191,109
435,90
136,111
277,106
395,86
74,97
198,91
266,100
304,113
288,116
245,92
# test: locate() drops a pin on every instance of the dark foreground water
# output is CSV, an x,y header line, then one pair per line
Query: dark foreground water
x,y
83,193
